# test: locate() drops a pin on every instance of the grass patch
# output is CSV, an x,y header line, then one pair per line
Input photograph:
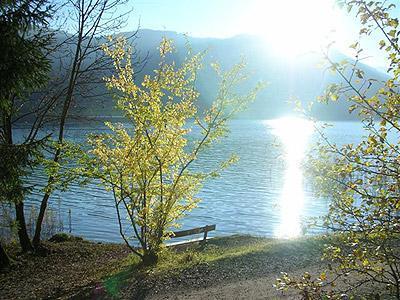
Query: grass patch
x,y
232,247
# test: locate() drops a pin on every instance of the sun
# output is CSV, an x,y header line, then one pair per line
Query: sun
x,y
295,27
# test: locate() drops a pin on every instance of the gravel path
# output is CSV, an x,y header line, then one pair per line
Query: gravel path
x,y
258,288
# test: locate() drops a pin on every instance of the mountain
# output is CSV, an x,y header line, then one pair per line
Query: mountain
x,y
287,79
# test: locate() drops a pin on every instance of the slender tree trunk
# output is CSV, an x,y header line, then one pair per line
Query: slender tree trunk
x,y
56,158
22,232
68,99
90,17
150,258
19,203
4,259
39,221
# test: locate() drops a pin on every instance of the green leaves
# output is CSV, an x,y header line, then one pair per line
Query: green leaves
x,y
147,165
23,64
24,68
392,33
393,23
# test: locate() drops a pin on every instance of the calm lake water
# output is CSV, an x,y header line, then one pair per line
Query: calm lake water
x,y
263,194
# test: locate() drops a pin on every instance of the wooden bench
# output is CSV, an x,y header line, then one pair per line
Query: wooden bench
x,y
182,233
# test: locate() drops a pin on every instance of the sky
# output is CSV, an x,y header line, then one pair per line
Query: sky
x,y
201,18
219,18
291,26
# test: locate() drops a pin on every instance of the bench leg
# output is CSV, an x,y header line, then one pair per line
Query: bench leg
x,y
205,237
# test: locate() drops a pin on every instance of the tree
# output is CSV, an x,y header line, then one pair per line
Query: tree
x,y
23,68
362,181
76,51
88,22
147,165
82,64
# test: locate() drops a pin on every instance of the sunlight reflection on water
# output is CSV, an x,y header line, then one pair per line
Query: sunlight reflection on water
x,y
294,134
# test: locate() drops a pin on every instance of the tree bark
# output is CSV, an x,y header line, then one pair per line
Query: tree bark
x,y
38,228
19,204
24,240
4,259
150,258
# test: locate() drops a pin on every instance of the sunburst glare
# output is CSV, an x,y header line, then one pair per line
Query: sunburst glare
x,y
294,27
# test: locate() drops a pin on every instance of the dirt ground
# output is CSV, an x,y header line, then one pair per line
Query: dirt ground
x,y
235,267
257,288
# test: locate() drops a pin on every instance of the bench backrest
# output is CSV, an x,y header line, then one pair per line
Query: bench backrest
x,y
197,230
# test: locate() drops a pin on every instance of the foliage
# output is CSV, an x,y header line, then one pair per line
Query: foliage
x,y
23,64
147,165
310,288
23,69
362,180
16,163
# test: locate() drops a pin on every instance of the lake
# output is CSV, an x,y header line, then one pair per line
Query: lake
x,y
263,194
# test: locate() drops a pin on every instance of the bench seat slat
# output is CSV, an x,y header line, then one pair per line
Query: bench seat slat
x,y
193,231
